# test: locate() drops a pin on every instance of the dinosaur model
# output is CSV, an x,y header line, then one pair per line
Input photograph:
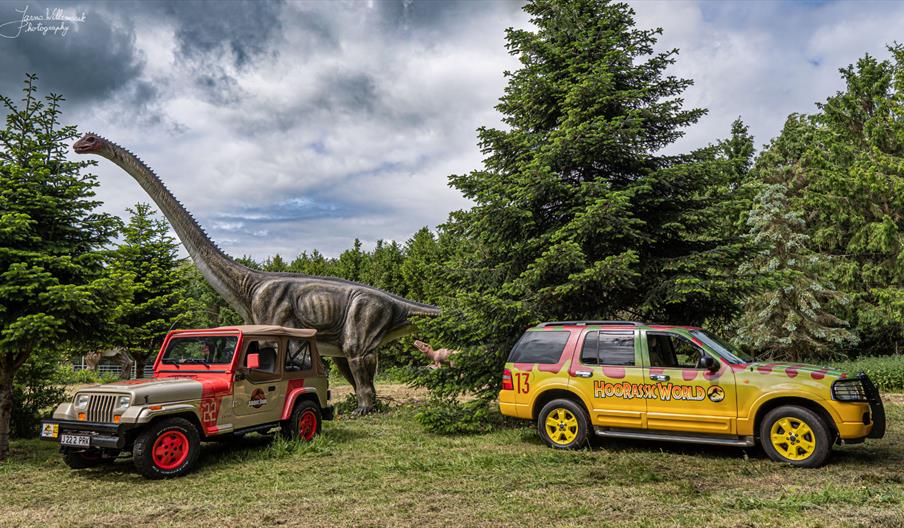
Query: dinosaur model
x,y
352,319
438,357
119,355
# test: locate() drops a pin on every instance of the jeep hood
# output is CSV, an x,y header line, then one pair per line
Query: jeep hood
x,y
153,390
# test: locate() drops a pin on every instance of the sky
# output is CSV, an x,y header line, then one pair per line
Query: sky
x,y
290,126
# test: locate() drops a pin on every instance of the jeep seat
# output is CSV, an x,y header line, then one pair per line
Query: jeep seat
x,y
268,359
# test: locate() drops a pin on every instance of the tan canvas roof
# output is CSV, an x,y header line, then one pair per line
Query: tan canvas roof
x,y
270,330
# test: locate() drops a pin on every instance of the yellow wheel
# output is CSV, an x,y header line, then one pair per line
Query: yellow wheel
x,y
795,435
563,424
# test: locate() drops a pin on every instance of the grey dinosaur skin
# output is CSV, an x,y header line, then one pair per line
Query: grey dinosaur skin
x,y
352,319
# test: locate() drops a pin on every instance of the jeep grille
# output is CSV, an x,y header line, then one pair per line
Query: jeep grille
x,y
100,407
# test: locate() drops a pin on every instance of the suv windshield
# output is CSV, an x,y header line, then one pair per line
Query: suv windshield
x,y
200,349
723,349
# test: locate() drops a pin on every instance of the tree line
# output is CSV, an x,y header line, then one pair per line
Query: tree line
x,y
794,252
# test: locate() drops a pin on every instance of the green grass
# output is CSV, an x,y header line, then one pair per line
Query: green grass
x,y
384,470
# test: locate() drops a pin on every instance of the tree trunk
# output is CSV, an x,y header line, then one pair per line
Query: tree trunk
x,y
6,408
140,361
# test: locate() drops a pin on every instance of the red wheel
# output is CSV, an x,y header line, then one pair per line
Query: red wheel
x,y
307,425
167,448
304,423
170,450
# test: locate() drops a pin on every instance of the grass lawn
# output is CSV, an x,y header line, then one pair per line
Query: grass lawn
x,y
383,470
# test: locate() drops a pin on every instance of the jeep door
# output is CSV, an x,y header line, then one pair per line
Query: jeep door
x,y
607,372
687,397
259,392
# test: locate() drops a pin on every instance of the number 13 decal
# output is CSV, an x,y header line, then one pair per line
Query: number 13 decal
x,y
522,382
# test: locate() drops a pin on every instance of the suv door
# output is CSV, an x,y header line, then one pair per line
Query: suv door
x,y
688,397
259,395
607,373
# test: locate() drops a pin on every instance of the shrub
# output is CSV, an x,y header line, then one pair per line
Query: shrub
x,y
85,376
37,389
886,372
449,416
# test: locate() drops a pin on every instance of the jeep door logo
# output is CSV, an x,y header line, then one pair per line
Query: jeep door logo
x,y
716,394
258,399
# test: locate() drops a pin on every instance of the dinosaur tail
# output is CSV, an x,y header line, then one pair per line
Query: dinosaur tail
x,y
416,308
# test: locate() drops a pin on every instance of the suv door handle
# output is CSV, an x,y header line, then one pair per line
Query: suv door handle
x,y
659,377
583,373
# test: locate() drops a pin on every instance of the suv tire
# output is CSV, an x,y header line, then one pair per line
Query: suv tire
x,y
795,435
167,448
304,423
563,424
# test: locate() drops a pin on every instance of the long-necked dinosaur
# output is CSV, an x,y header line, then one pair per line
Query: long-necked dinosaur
x,y
352,319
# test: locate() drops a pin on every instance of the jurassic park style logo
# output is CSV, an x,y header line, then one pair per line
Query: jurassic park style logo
x,y
651,391
258,399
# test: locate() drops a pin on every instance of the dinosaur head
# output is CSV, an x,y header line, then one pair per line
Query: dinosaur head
x,y
91,143
423,347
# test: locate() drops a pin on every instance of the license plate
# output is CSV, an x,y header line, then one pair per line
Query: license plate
x,y
75,440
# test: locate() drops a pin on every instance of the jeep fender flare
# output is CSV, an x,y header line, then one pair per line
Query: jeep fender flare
x,y
293,396
147,415
747,425
551,391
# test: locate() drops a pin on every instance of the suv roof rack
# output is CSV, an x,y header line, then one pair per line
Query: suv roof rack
x,y
586,323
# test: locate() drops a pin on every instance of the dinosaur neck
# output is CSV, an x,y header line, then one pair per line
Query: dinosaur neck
x,y
227,277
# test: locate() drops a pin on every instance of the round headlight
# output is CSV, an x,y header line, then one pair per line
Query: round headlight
x,y
81,401
123,402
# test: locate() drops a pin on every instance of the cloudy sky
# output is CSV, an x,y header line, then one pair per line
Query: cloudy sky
x,y
291,126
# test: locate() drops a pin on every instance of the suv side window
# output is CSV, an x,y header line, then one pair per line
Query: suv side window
x,y
539,347
673,351
298,355
608,348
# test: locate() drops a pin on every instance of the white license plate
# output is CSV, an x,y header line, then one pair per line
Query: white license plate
x,y
75,440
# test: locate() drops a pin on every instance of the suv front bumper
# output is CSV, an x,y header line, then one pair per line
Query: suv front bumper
x,y
876,408
100,435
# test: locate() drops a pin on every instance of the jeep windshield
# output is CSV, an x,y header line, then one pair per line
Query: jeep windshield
x,y
203,350
732,355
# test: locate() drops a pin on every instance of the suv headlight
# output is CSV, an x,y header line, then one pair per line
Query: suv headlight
x,y
81,401
848,390
122,403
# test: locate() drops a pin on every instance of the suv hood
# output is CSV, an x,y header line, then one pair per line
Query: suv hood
x,y
798,371
154,390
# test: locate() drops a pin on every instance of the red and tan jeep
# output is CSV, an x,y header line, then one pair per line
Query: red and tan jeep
x,y
208,385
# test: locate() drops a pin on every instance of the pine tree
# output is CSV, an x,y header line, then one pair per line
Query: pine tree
x,y
159,286
577,214
352,262
53,286
794,313
855,196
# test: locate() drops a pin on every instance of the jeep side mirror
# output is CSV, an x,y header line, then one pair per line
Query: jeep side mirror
x,y
253,361
709,363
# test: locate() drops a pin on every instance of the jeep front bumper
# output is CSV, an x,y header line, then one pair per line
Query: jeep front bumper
x,y
100,435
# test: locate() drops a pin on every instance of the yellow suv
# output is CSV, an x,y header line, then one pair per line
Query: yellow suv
x,y
659,382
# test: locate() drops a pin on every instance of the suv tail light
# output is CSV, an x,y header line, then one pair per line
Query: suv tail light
x,y
507,380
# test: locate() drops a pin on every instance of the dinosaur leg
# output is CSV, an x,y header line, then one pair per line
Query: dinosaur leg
x,y
342,364
365,326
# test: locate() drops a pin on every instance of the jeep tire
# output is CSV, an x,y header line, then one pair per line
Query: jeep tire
x,y
304,423
167,448
796,435
563,424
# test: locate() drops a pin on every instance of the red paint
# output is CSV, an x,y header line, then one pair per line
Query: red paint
x,y
307,425
655,371
765,369
294,389
819,374
614,372
688,374
737,368
791,372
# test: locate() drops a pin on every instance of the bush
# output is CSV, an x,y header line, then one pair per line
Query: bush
x,y
886,372
450,417
39,386
86,376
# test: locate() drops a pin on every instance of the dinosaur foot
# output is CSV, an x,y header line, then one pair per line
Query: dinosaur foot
x,y
364,410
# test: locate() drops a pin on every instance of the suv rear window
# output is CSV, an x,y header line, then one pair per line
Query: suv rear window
x,y
539,347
